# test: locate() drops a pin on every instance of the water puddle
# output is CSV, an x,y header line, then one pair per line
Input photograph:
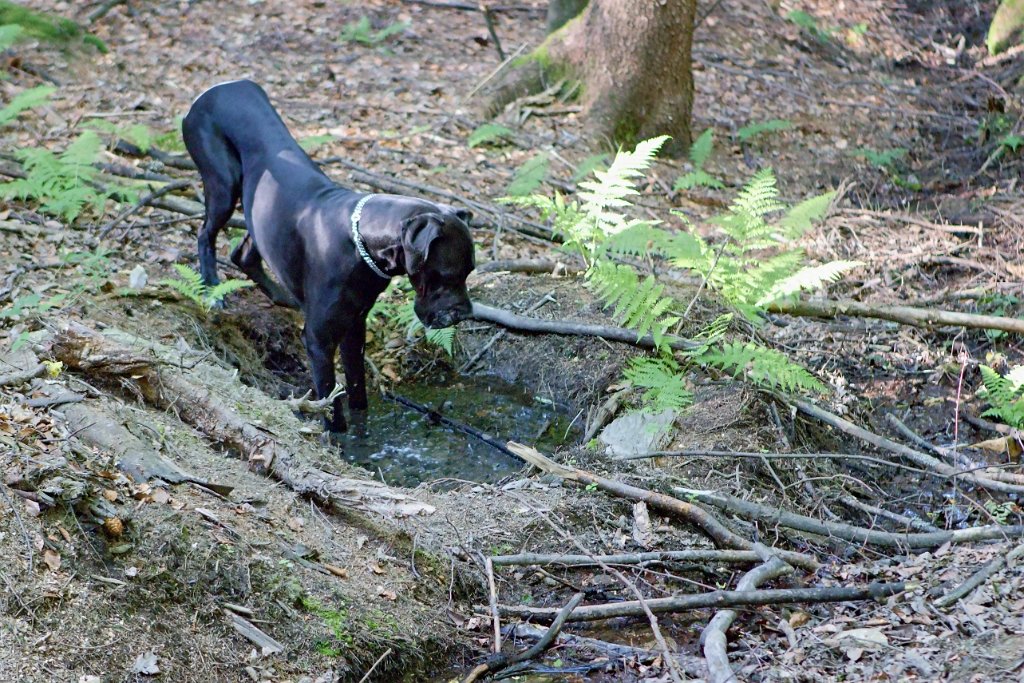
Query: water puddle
x,y
407,447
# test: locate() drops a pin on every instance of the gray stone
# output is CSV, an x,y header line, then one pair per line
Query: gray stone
x,y
635,433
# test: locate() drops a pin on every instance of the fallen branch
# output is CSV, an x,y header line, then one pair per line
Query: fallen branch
x,y
713,637
500,334
473,7
905,315
848,532
522,323
144,201
438,418
980,576
501,661
130,363
22,375
529,265
917,457
267,645
642,559
907,522
693,514
752,598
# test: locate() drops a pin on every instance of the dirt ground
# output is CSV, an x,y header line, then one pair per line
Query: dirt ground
x,y
348,591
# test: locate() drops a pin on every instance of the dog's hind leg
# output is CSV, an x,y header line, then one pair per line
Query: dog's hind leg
x,y
221,171
247,257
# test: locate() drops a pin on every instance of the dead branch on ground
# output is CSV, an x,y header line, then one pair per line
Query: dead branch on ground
x,y
641,559
687,511
980,576
718,599
917,457
905,315
713,637
848,532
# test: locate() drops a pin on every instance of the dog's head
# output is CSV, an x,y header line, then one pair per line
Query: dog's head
x,y
438,251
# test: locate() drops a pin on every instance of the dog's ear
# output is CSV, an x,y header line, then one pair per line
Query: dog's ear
x,y
464,215
417,234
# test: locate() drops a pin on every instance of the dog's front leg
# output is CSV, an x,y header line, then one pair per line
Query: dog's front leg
x,y
321,350
353,344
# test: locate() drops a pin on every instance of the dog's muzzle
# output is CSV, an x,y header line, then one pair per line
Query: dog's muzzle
x,y
446,318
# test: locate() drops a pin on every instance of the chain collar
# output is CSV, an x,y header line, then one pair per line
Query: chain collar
x,y
360,246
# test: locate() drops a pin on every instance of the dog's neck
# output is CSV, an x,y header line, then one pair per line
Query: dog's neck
x,y
360,242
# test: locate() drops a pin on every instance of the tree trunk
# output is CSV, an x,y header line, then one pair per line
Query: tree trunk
x,y
633,61
561,11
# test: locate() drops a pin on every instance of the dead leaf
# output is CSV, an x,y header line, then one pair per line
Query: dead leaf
x,y
32,508
110,495
387,594
798,619
52,559
296,523
160,496
377,569
858,639
146,664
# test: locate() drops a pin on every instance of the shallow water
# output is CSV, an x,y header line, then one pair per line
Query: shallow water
x,y
406,448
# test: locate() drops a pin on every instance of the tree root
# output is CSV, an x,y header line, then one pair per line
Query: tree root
x,y
131,363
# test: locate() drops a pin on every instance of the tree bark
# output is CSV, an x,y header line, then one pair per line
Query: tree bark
x,y
633,61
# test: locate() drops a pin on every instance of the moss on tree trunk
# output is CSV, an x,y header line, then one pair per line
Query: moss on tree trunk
x,y
633,61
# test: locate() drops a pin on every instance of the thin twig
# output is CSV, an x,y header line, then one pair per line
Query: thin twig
x,y
489,568
380,659
144,201
980,576
702,556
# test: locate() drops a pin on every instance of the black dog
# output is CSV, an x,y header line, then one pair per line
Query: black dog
x,y
332,250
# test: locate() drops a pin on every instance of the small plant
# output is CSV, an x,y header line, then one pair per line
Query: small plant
x,y
753,266
592,163
489,134
138,134
745,133
311,143
48,27
810,25
700,150
1005,395
337,620
63,184
25,100
394,308
883,159
189,284
361,32
529,176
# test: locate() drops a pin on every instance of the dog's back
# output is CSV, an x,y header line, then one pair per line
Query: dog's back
x,y
236,112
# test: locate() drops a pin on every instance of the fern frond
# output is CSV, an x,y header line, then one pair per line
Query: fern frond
x,y
637,304
757,199
611,188
698,178
802,217
762,366
700,150
665,387
26,99
221,290
639,240
529,176
807,279
444,338
1005,396
9,33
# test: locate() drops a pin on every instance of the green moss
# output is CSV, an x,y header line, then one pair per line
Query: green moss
x,y
1006,25
48,27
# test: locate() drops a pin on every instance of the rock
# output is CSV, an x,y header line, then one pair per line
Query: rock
x,y
635,433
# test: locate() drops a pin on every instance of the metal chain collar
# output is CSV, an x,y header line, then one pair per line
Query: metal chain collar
x,y
360,246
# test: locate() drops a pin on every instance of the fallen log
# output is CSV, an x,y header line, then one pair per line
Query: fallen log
x,y
149,370
718,599
642,559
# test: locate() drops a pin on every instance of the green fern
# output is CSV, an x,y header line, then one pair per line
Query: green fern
x,y
1005,395
489,134
25,100
189,284
529,176
803,216
638,305
700,150
9,34
809,278
771,126
762,366
63,185
361,32
138,134
662,380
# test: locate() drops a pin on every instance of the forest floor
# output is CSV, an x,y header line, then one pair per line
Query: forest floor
x,y
307,567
